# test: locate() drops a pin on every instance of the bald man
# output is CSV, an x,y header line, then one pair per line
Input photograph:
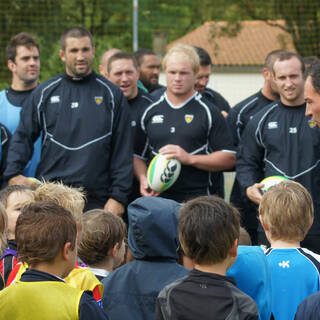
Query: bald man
x,y
103,67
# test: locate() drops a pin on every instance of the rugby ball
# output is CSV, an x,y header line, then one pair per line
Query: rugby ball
x,y
271,181
34,180
162,172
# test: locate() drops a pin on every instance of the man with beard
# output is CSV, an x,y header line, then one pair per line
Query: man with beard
x,y
85,120
149,68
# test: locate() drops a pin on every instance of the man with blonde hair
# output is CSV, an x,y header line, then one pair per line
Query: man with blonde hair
x,y
183,125
286,214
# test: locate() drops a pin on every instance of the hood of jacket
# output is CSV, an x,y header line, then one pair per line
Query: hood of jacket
x,y
153,228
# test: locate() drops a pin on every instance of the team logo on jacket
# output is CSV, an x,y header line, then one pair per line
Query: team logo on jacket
x,y
55,99
98,100
157,118
273,125
188,118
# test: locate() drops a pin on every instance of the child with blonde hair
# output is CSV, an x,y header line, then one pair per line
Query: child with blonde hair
x,y
286,214
73,200
46,235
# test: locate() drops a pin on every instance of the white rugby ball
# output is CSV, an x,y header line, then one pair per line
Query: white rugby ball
x,y
162,172
271,181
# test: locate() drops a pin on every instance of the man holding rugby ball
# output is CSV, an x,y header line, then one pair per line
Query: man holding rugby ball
x,y
279,141
184,125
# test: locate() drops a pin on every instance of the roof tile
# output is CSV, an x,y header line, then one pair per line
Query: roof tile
x,y
248,48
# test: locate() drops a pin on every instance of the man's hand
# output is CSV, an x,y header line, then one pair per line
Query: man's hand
x,y
20,179
115,207
254,193
224,113
174,151
145,190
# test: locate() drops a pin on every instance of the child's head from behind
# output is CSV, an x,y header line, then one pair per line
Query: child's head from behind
x,y
45,232
72,199
286,211
208,229
102,238
13,198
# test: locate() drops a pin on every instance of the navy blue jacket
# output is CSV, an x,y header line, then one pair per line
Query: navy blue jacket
x,y
279,141
309,309
130,291
4,144
86,136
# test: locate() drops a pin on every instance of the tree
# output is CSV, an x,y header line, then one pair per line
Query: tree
x,y
302,20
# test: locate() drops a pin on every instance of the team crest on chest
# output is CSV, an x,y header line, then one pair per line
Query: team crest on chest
x,y
188,118
98,100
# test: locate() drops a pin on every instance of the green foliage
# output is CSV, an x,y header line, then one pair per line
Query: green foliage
x,y
302,18
111,23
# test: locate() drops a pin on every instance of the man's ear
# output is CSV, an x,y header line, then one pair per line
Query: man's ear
x,y
11,65
102,72
265,73
62,55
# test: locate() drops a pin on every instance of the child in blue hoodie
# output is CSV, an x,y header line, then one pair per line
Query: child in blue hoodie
x,y
130,291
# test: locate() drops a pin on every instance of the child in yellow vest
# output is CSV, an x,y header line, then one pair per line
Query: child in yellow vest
x,y
72,199
46,236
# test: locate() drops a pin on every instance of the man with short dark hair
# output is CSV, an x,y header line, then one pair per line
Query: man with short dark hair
x,y
279,141
122,70
238,118
24,64
85,119
202,81
149,67
312,95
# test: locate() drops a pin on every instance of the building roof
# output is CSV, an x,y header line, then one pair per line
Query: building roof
x,y
248,48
